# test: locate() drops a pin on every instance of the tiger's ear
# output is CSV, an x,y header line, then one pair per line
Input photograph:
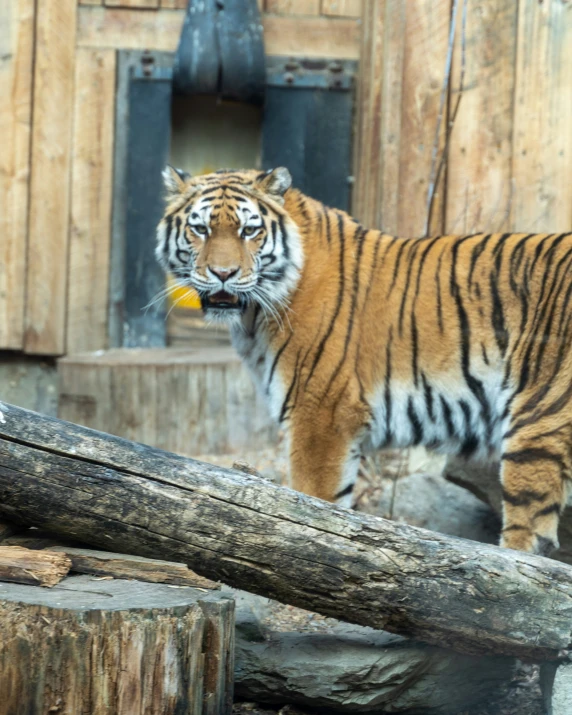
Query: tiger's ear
x,y
175,181
276,183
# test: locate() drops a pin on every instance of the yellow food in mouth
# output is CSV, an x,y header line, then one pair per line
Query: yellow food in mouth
x,y
183,296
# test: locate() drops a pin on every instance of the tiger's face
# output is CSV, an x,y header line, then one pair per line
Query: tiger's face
x,y
228,236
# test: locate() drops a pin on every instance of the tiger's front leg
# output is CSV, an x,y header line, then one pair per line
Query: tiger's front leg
x,y
324,455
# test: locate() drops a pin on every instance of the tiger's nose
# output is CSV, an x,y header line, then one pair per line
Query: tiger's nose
x,y
223,273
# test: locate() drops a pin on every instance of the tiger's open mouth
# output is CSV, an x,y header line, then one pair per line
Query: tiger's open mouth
x,y
222,299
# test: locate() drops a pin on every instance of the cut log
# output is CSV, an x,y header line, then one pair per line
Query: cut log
x,y
110,647
36,568
126,566
266,539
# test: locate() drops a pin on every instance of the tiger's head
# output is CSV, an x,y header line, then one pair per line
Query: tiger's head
x,y
229,236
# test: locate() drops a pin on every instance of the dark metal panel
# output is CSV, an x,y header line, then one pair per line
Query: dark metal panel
x,y
148,131
307,125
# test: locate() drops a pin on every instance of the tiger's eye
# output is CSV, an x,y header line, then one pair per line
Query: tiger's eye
x,y
201,228
249,230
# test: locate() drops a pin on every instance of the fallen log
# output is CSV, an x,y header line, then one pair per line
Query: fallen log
x,y
251,534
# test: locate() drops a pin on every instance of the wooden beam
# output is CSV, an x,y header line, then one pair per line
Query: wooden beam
x,y
50,183
144,4
293,7
542,155
283,35
342,8
92,177
479,163
16,72
174,4
252,534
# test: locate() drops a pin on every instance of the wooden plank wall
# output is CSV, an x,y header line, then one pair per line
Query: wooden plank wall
x,y
47,265
57,96
508,165
509,160
16,54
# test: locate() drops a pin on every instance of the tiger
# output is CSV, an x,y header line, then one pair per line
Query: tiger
x,y
362,340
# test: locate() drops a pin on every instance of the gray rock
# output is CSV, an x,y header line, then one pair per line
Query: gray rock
x,y
557,688
356,669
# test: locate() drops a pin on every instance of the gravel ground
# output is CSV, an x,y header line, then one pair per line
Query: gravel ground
x,y
521,696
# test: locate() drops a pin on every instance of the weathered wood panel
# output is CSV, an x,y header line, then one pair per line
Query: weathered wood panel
x,y
404,51
479,187
16,57
424,60
174,4
47,269
367,142
345,8
393,48
147,4
185,400
273,541
283,34
92,176
293,7
542,158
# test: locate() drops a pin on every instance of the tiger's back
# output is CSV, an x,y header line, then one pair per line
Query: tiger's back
x,y
461,344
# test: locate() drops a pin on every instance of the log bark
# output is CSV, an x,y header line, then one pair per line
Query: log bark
x,y
113,646
36,568
276,542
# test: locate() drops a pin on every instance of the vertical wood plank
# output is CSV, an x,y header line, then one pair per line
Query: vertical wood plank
x,y
404,49
50,182
367,142
479,166
393,55
132,3
293,7
92,175
425,55
542,160
16,59
343,8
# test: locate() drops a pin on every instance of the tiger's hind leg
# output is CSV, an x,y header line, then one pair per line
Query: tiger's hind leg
x,y
535,476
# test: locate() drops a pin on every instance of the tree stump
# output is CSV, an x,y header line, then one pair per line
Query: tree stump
x,y
113,646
